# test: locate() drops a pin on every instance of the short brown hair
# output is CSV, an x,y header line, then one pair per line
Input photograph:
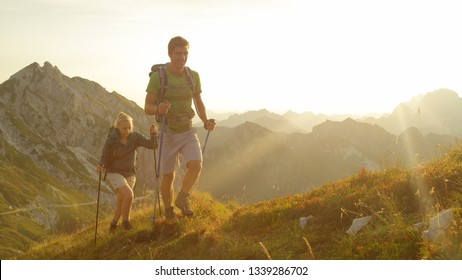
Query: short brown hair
x,y
177,41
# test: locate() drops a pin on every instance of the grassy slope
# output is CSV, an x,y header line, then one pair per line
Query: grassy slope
x,y
396,198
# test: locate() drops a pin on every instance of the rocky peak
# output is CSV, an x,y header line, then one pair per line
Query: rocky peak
x,y
46,112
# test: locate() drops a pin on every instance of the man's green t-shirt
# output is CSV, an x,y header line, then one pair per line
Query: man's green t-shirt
x,y
179,93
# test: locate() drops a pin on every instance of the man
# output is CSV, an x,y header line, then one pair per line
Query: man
x,y
175,105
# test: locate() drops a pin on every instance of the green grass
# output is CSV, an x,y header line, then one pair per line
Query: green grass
x,y
396,198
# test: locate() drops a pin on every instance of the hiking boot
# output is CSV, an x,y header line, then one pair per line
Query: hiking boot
x,y
170,214
112,228
126,225
182,202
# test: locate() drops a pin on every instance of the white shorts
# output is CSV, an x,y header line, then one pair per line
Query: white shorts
x,y
116,180
173,144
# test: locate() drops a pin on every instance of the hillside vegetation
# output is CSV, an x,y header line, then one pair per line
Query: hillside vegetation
x,y
398,199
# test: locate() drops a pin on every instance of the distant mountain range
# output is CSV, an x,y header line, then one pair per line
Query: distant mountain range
x,y
437,112
251,163
290,122
53,128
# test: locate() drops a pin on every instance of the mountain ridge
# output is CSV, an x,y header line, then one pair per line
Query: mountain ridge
x,y
436,112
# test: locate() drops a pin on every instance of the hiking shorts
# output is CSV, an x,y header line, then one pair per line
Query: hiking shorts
x,y
185,144
116,180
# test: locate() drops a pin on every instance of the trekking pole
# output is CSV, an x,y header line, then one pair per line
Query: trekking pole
x,y
205,143
157,189
153,220
97,206
161,136
161,142
206,139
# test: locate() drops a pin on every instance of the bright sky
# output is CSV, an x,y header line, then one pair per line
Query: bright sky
x,y
326,56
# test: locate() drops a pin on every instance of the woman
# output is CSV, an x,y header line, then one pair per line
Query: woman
x,y
118,158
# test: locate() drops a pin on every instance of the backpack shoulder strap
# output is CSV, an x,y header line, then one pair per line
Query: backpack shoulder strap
x,y
192,83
